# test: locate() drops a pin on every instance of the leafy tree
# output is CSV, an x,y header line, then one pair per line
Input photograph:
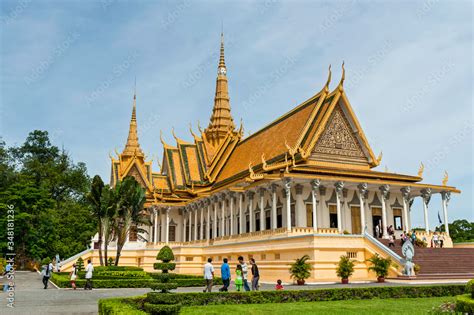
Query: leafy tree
x,y
110,199
459,231
47,190
94,199
130,211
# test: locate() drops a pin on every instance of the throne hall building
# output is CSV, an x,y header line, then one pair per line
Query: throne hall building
x,y
302,185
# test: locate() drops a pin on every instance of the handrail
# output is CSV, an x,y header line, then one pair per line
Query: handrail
x,y
384,248
75,257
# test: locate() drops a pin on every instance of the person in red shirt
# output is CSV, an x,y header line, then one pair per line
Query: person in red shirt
x,y
278,285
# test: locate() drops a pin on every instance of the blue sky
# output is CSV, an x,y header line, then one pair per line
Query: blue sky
x,y
69,67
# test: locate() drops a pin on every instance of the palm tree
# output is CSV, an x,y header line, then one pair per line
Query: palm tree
x,y
130,212
94,199
109,201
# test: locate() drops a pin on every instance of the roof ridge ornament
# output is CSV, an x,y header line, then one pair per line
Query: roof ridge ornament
x,y
343,77
379,158
328,81
421,170
445,178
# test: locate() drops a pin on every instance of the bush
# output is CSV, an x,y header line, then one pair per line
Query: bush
x,y
465,304
379,265
300,269
470,287
165,254
117,275
257,297
164,266
162,309
80,264
119,306
345,268
45,261
116,268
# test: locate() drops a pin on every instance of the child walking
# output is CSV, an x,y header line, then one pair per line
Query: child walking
x,y
238,278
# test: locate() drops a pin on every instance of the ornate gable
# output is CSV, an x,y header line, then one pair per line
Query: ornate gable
x,y
338,143
136,173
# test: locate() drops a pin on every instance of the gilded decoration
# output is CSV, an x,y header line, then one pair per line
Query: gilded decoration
x,y
338,138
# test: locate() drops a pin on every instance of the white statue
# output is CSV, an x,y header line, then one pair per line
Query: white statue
x,y
409,252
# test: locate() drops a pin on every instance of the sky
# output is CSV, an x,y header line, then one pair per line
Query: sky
x,y
69,67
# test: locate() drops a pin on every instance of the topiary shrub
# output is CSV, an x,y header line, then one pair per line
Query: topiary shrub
x,y
80,264
166,256
345,269
470,287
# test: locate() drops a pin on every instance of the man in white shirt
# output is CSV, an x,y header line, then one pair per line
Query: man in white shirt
x,y
208,275
89,271
244,272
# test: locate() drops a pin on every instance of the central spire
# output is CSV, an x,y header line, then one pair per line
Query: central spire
x,y
132,146
221,119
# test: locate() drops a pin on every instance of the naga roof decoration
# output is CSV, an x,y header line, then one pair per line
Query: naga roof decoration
x,y
320,138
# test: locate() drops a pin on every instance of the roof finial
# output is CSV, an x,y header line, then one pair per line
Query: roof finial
x,y
326,87
343,77
135,89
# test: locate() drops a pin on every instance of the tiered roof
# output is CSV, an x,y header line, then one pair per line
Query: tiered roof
x,y
320,138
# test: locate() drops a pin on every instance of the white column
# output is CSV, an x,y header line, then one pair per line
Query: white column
x,y
222,231
288,203
362,193
167,221
208,219
201,228
426,195
155,227
406,199
262,212
190,220
231,206
184,225
446,197
250,194
195,209
273,188
339,186
314,190
241,214
214,223
384,192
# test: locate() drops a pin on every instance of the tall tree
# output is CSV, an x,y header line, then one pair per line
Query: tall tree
x,y
130,212
109,201
94,199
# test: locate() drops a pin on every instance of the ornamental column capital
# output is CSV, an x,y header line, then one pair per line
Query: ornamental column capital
x,y
315,183
287,183
231,194
426,195
385,191
406,192
215,198
250,194
363,190
339,186
446,195
262,190
273,188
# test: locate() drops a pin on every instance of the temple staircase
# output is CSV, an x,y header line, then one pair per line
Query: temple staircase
x,y
440,263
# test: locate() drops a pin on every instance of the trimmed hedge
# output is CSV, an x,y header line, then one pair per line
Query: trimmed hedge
x,y
470,287
62,281
121,306
465,304
257,297
117,268
157,309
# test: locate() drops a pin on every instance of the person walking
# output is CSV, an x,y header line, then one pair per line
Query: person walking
x,y
391,240
89,271
255,274
208,275
73,276
225,275
238,278
47,270
244,272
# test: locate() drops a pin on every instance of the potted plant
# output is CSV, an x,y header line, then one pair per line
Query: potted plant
x,y
345,269
300,270
380,266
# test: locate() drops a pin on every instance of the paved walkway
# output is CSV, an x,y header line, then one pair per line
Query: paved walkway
x,y
31,298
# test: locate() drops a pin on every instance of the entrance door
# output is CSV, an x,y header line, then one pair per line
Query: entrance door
x,y
377,220
355,220
309,215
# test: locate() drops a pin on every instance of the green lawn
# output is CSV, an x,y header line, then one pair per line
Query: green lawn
x,y
375,306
